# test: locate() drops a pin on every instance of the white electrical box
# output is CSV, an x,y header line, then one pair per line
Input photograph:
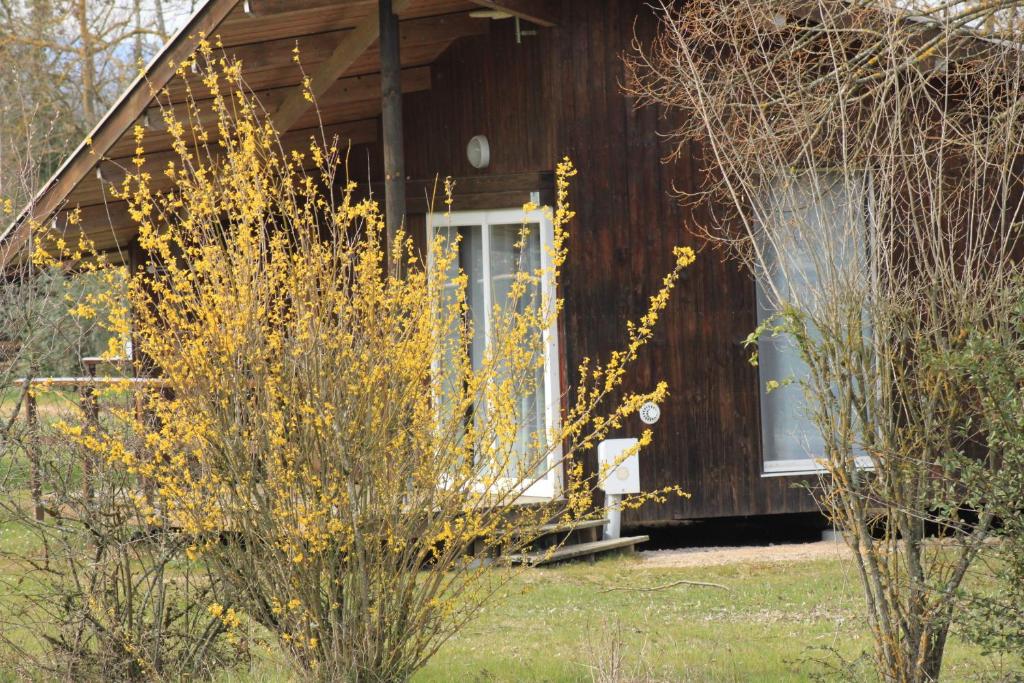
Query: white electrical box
x,y
623,477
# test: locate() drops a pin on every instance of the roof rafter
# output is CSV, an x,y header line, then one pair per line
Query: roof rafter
x,y
537,12
271,64
113,171
348,50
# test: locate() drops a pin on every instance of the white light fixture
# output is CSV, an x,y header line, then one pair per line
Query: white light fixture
x,y
478,151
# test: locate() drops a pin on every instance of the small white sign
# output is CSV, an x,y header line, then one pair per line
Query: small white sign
x,y
619,477
650,413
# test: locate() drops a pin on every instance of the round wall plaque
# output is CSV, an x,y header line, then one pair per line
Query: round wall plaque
x,y
650,413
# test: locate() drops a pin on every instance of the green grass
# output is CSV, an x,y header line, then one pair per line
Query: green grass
x,y
781,621
787,621
792,621
775,622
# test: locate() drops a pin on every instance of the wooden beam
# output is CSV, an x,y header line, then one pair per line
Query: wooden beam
x,y
275,19
344,55
114,171
347,111
272,65
349,89
124,115
108,219
263,8
356,133
350,99
538,12
391,121
478,192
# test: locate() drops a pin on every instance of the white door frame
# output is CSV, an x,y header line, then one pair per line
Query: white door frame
x,y
551,484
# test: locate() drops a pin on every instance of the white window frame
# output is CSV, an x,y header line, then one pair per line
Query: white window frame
x,y
790,466
551,484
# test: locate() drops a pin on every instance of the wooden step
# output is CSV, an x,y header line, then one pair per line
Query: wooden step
x,y
563,527
578,550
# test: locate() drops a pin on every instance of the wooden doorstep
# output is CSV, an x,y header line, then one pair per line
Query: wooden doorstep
x,y
562,527
570,552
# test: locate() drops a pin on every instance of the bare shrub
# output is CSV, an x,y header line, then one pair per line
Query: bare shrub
x,y
866,166
612,658
94,590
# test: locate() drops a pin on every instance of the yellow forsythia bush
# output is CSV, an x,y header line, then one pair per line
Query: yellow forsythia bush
x,y
325,438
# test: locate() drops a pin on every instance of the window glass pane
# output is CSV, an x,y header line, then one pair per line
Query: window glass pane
x,y
449,297
472,263
787,432
506,261
823,248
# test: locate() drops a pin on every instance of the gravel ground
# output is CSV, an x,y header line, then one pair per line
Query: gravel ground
x,y
702,557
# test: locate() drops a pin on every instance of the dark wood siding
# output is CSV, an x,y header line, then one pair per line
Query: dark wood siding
x,y
558,93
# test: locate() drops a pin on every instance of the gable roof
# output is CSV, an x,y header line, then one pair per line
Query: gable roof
x,y
337,41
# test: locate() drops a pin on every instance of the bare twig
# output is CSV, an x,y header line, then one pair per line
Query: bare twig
x,y
681,582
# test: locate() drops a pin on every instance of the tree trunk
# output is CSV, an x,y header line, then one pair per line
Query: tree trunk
x,y
137,42
86,52
932,664
161,21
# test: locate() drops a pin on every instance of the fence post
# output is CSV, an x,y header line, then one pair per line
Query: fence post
x,y
91,409
32,420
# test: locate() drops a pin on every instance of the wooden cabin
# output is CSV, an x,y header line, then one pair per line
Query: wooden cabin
x,y
523,83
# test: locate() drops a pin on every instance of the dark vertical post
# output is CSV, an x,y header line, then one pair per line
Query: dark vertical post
x,y
391,120
32,419
91,408
141,367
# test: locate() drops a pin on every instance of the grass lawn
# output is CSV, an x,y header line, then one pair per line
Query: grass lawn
x,y
777,622
782,621
796,620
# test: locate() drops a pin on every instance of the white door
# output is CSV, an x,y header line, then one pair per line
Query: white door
x,y
490,255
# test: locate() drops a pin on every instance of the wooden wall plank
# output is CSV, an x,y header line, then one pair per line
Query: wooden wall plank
x,y
558,93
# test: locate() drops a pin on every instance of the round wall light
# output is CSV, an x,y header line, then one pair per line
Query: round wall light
x,y
478,151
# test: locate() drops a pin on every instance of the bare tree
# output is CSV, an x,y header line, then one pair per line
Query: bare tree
x,y
864,163
38,333
82,52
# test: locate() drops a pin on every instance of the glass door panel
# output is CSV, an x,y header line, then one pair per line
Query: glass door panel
x,y
507,258
492,252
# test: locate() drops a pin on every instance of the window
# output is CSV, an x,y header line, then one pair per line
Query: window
x,y
822,218
490,255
